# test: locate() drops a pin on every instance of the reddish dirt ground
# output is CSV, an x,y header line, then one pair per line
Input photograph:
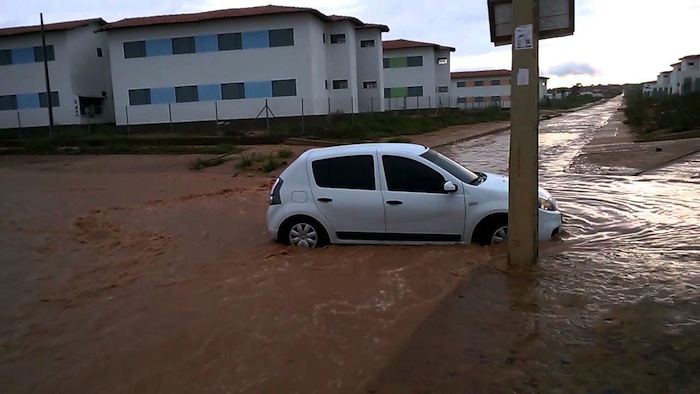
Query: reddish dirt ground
x,y
134,273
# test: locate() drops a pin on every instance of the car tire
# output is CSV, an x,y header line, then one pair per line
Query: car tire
x,y
305,232
493,232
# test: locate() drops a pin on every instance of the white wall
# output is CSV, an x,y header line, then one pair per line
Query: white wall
x,y
675,78
29,78
247,65
89,73
424,76
342,65
690,68
442,76
369,68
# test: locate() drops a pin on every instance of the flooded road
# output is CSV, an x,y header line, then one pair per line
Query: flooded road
x,y
615,310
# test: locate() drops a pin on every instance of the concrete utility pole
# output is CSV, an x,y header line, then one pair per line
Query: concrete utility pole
x,y
524,118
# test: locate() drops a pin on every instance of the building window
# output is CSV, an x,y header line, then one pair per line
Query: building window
x,y
324,37
691,63
495,82
182,45
461,100
282,38
461,84
442,60
8,102
5,57
337,38
387,62
326,84
284,88
369,85
104,93
414,91
139,96
230,41
340,84
186,94
39,53
232,91
479,99
134,49
99,52
478,83
44,102
495,99
414,61
367,44
443,89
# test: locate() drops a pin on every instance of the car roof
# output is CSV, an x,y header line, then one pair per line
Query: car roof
x,y
381,147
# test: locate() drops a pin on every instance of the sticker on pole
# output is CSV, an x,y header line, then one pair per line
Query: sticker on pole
x,y
523,37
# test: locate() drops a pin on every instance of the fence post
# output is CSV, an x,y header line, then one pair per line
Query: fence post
x,y
267,117
19,125
89,125
216,116
429,104
352,110
128,127
328,119
170,116
303,123
405,103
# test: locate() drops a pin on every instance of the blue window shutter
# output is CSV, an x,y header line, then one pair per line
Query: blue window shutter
x,y
256,39
162,95
160,47
259,89
209,92
30,100
206,43
23,55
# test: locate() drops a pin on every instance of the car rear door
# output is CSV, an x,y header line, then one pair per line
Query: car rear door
x,y
416,205
346,191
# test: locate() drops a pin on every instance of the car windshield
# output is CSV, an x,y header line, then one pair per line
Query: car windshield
x,y
449,165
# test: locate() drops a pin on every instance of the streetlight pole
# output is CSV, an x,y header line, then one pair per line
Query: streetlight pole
x,y
524,118
46,75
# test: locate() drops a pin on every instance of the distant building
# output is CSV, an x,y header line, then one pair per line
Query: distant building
x,y
78,62
480,89
689,75
416,74
228,64
663,84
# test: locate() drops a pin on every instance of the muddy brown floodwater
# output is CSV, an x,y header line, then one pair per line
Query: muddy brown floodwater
x,y
616,312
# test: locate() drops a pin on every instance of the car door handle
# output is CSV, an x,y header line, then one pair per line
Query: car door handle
x,y
394,202
324,199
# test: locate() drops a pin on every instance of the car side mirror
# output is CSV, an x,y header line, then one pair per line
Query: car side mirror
x,y
449,187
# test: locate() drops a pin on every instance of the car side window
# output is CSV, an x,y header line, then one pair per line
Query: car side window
x,y
347,172
407,175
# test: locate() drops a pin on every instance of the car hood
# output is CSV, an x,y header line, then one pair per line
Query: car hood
x,y
499,183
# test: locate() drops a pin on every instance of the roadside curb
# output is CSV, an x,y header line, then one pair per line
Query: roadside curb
x,y
664,164
471,137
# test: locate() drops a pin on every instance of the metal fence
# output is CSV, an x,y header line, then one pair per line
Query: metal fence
x,y
231,117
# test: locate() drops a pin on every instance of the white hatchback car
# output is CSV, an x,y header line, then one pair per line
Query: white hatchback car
x,y
392,193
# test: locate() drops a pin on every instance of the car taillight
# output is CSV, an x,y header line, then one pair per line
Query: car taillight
x,y
275,192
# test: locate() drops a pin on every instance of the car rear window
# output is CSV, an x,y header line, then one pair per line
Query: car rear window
x,y
347,172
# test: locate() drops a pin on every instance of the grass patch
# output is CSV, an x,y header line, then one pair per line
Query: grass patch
x,y
662,117
568,102
284,153
202,163
271,164
55,146
246,161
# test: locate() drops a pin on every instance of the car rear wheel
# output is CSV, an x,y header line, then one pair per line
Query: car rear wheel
x,y
305,232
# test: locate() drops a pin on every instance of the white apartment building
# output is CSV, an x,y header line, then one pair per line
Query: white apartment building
x,y
228,64
663,84
416,74
78,63
480,89
689,75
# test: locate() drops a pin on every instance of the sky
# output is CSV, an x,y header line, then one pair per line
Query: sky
x,y
615,41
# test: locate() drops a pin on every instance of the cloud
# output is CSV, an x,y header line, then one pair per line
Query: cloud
x,y
573,68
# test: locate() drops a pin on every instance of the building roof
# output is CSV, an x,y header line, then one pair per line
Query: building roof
x,y
480,74
69,25
688,57
232,13
403,44
358,23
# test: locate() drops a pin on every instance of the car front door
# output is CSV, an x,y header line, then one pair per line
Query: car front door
x,y
346,192
417,206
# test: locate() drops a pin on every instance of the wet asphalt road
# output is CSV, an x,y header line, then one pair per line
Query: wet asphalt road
x,y
615,310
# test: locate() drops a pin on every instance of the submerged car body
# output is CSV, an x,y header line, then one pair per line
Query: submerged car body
x,y
392,193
